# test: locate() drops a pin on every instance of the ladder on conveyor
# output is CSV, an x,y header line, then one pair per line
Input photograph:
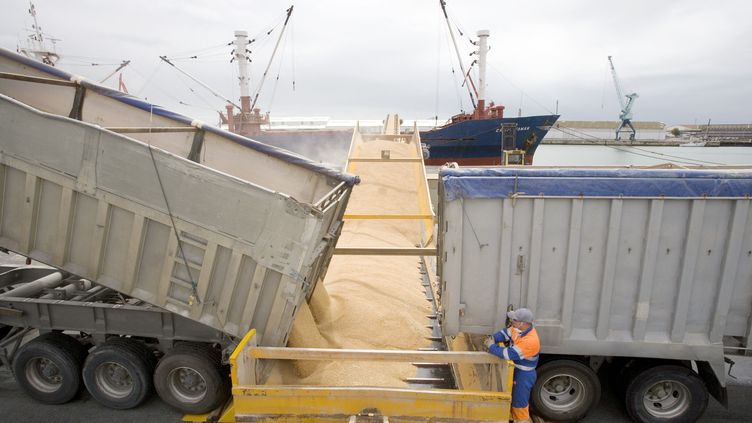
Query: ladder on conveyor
x,y
391,132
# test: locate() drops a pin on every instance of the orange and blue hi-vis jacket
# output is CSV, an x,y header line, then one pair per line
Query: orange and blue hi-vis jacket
x,y
523,349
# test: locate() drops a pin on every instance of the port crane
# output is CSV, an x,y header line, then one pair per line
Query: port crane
x,y
626,107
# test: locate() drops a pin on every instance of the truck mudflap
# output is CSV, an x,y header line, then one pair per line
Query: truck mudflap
x,y
257,402
714,385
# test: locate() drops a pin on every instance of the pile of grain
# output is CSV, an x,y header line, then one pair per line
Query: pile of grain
x,y
371,302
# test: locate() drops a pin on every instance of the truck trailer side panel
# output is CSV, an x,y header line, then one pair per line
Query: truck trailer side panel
x,y
108,208
638,263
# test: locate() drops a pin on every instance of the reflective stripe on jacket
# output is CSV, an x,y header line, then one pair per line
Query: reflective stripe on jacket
x,y
523,349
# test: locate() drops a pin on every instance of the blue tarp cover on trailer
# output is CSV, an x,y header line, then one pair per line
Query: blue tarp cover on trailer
x,y
276,152
548,182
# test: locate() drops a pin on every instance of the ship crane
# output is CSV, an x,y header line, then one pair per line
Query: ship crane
x,y
626,106
249,120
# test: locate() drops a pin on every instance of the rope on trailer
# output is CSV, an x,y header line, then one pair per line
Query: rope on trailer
x,y
194,296
480,245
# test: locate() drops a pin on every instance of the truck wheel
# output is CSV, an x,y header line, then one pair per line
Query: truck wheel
x,y
566,390
192,379
118,374
49,368
667,393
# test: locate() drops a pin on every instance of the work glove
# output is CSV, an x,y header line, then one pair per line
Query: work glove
x,y
488,342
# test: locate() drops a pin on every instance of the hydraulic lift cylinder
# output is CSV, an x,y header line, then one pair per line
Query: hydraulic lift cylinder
x,y
35,287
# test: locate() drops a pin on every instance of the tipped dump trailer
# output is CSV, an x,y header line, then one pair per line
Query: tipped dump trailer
x,y
165,238
648,270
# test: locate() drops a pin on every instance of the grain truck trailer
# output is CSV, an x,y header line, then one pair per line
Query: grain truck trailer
x,y
173,241
168,239
647,270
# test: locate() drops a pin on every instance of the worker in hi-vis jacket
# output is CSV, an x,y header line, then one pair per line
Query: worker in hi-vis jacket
x,y
523,348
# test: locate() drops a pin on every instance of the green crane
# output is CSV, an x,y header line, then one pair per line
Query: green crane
x,y
626,106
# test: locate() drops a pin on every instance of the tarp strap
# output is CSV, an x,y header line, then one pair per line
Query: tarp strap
x,y
194,296
197,146
78,103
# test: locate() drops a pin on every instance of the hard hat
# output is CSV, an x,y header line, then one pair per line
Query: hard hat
x,y
521,315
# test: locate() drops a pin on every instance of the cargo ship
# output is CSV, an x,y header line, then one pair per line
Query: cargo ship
x,y
484,137
482,140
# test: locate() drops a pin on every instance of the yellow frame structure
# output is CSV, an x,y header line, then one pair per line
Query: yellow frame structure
x,y
261,403
338,404
265,403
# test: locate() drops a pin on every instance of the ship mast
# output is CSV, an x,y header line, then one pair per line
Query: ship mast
x,y
250,119
248,122
35,44
480,110
241,44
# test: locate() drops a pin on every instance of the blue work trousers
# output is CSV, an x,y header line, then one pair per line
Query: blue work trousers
x,y
523,385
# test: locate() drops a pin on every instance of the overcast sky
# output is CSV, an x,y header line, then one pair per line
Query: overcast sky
x,y
689,60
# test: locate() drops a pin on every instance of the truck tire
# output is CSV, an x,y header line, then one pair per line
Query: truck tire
x,y
192,379
48,368
69,343
566,390
666,393
118,374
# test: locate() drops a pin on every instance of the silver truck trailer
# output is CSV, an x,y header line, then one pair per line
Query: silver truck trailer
x,y
169,243
647,270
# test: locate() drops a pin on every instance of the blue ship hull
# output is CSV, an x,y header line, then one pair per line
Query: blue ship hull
x,y
478,142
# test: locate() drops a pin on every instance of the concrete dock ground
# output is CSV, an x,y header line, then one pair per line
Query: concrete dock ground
x,y
18,407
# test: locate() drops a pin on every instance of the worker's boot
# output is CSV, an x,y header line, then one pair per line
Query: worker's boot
x,y
520,415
